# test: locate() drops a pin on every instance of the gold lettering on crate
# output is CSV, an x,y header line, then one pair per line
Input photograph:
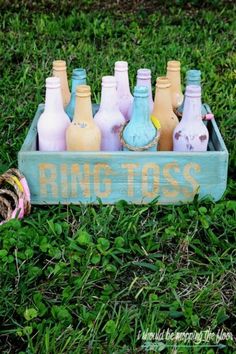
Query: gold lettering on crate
x,y
173,192
48,180
64,182
106,181
153,191
79,178
130,169
190,179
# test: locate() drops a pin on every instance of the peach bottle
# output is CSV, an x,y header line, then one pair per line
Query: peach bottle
x,y
82,133
59,70
163,111
173,74
53,122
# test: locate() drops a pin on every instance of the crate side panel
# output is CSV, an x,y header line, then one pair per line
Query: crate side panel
x,y
75,178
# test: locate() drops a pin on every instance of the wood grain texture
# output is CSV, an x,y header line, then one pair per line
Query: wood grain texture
x,y
74,177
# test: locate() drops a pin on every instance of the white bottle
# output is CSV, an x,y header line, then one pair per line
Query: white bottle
x,y
109,118
125,99
53,122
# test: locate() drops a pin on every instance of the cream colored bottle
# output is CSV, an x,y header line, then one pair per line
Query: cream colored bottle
x,y
173,74
163,111
83,134
59,70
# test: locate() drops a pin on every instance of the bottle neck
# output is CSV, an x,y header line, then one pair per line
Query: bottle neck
x,y
174,77
163,100
77,82
147,83
53,101
122,79
83,110
140,112
192,109
194,82
109,98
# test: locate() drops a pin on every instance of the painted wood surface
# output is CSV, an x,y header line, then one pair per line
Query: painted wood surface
x,y
74,177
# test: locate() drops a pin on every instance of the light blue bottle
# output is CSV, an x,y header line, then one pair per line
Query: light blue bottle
x,y
140,131
78,78
193,77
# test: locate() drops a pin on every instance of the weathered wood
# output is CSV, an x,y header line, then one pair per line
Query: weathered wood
x,y
74,177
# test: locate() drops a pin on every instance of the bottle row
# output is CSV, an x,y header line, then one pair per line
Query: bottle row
x,y
122,121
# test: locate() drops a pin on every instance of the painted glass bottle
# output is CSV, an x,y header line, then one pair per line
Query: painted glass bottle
x,y
78,78
144,79
140,132
59,70
125,99
82,133
173,74
193,77
191,134
109,118
163,111
53,122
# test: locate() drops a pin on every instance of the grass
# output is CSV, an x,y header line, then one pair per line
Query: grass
x,y
90,279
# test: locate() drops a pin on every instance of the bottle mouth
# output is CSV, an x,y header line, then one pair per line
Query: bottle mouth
x,y
53,82
121,66
193,91
79,73
173,65
83,91
193,75
163,82
141,91
59,65
108,81
144,74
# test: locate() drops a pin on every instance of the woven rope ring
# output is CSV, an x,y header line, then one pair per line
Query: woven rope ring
x,y
152,143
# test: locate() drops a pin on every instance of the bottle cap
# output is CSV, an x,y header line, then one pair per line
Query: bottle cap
x,y
121,66
53,82
144,74
162,82
193,91
141,91
108,81
173,65
59,65
79,73
193,75
83,91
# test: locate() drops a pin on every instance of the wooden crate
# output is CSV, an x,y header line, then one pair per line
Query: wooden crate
x,y
74,177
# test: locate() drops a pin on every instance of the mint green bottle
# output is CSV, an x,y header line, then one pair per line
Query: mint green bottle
x,y
140,131
78,78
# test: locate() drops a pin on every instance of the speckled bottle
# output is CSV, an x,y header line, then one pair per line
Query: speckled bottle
x,y
191,134
82,133
140,131
78,78
109,118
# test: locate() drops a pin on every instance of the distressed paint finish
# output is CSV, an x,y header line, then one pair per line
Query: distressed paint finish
x,y
74,177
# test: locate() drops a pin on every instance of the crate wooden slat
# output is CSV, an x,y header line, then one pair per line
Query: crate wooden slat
x,y
83,177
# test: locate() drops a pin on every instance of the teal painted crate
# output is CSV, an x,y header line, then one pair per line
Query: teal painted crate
x,y
83,177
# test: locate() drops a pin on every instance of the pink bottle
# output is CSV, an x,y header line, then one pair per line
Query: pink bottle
x,y
144,79
109,118
125,99
53,122
191,134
